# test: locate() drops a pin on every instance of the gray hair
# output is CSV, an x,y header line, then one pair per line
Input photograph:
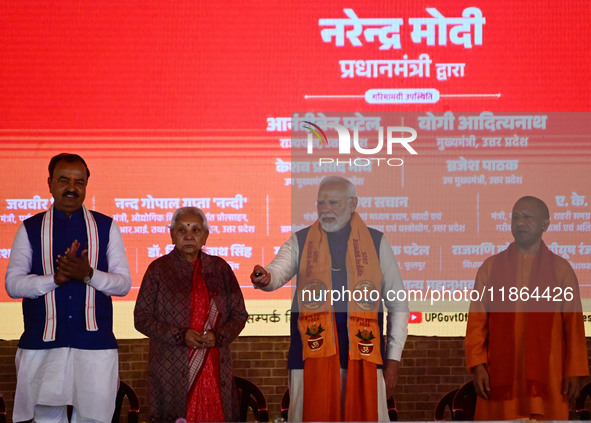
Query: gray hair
x,y
351,192
189,210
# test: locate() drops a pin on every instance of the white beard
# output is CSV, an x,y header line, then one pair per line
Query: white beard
x,y
338,224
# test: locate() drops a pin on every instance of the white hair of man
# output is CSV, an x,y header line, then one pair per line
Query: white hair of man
x,y
351,192
189,210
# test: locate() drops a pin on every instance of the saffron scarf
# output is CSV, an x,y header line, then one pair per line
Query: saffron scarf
x,y
318,331
48,260
539,316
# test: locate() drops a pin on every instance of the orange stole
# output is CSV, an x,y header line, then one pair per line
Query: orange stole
x,y
322,391
322,402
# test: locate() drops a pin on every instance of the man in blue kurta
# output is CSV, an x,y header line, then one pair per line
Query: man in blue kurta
x,y
65,264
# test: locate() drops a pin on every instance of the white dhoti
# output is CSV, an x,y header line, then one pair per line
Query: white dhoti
x,y
86,379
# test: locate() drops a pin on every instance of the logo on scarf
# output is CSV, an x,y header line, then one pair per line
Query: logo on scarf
x,y
313,295
315,341
365,346
366,296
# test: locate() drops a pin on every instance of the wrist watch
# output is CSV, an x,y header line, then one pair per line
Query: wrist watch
x,y
88,277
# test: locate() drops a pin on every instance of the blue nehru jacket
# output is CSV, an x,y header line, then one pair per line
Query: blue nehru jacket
x,y
71,297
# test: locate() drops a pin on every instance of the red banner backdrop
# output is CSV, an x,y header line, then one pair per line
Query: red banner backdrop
x,y
189,103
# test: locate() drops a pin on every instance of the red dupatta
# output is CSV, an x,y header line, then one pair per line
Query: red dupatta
x,y
204,402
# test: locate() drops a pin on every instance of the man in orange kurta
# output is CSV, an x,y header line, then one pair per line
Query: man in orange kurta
x,y
526,357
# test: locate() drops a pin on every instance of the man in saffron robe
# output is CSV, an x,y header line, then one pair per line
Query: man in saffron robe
x,y
65,264
340,368
526,356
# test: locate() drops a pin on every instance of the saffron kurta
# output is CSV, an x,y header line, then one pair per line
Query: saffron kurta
x,y
163,311
568,349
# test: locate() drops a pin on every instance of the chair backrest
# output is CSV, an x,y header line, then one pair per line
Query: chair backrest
x,y
464,402
285,404
581,412
445,403
392,410
133,416
250,396
2,410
